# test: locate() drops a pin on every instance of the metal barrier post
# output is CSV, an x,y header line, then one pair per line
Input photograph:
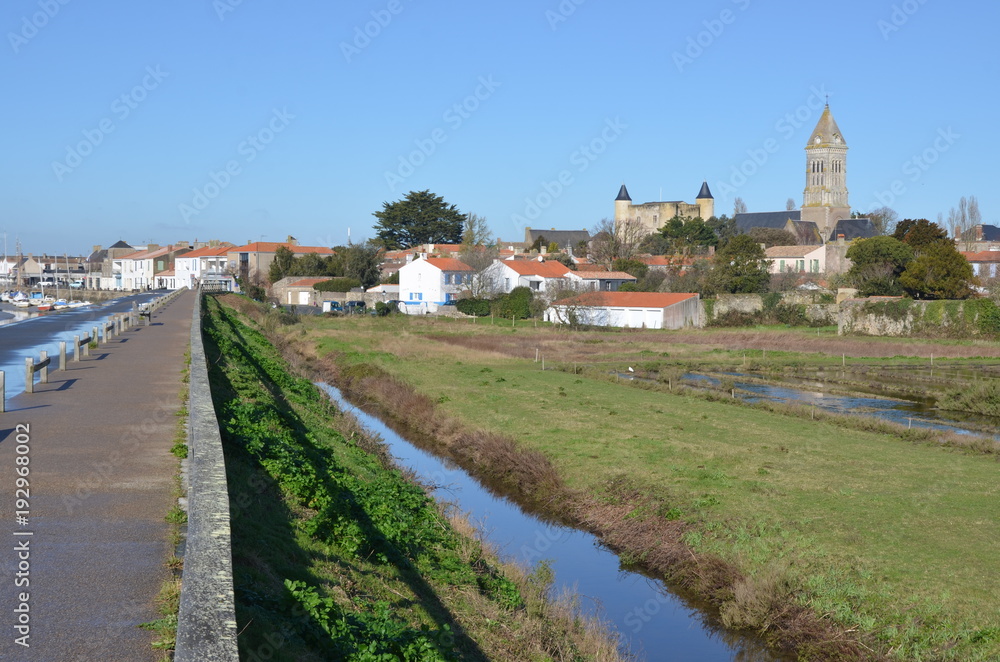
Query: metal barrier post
x,y
62,355
29,375
45,368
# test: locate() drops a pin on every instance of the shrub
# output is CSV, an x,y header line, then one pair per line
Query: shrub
x,y
516,304
475,307
337,285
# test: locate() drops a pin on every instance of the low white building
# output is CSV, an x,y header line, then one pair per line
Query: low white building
x,y
539,275
426,284
634,310
797,259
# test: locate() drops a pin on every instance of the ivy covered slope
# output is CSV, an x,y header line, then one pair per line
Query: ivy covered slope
x,y
336,555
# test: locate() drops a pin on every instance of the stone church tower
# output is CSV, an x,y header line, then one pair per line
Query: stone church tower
x,y
825,197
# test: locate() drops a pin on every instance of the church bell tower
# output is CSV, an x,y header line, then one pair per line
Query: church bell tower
x,y
825,196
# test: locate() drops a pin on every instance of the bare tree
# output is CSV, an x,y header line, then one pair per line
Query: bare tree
x,y
960,223
884,219
478,247
789,204
739,207
613,241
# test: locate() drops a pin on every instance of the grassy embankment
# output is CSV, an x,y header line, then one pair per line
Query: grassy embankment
x,y
893,541
336,555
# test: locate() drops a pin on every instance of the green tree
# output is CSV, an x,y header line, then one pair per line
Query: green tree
x,y
918,232
723,227
516,303
283,259
741,267
631,266
876,265
419,218
686,234
363,262
939,272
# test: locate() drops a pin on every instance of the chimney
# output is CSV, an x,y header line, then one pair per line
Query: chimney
x,y
429,248
840,240
96,248
711,251
542,250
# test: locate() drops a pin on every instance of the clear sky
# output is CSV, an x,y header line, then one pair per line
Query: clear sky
x,y
247,119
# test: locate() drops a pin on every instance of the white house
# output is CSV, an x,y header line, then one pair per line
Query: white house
x,y
427,283
540,275
985,264
634,310
208,265
797,259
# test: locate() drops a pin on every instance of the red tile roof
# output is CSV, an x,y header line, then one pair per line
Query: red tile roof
x,y
625,299
982,256
272,246
209,251
605,275
448,264
548,269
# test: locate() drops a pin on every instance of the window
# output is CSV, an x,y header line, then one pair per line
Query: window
x,y
506,284
800,265
607,286
447,279
814,266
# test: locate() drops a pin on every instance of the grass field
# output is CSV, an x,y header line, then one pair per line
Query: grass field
x,y
894,539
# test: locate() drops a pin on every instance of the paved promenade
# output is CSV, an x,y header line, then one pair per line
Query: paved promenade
x,y
101,480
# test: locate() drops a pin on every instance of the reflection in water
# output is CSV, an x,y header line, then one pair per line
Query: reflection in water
x,y
653,623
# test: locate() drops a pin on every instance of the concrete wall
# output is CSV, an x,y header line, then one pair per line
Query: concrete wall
x,y
206,628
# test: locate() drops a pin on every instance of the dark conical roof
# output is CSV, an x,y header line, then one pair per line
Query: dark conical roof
x,y
119,244
704,192
623,194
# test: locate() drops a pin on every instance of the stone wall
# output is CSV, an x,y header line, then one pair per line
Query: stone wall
x,y
884,316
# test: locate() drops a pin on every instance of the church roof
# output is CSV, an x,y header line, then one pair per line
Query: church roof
x,y
623,194
703,193
991,233
119,244
826,130
853,228
766,219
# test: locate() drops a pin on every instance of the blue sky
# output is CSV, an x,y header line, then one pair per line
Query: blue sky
x,y
249,119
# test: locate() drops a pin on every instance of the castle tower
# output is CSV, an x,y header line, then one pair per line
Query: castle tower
x,y
622,203
705,202
825,197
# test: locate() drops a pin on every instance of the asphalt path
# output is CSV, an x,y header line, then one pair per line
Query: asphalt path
x,y
81,571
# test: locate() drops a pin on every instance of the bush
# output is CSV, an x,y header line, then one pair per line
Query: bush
x,y
516,304
337,285
474,307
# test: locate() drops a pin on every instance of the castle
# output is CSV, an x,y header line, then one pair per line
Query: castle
x,y
825,213
654,215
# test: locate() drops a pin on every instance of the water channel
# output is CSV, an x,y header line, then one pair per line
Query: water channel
x,y
653,623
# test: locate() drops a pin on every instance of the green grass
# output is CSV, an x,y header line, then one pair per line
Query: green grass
x,y
337,556
896,539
